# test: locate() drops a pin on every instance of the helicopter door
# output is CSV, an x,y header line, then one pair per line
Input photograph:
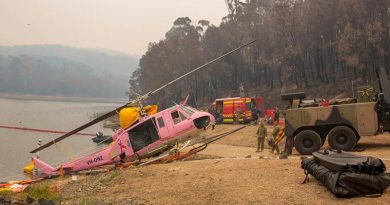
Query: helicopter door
x,y
162,126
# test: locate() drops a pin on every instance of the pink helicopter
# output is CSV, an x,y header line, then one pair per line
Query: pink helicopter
x,y
150,136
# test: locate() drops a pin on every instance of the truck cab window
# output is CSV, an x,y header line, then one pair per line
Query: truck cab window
x,y
248,105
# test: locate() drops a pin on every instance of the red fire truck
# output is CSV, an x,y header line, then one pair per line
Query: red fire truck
x,y
225,108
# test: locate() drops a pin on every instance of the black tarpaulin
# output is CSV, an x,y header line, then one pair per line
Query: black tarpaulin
x,y
337,161
349,182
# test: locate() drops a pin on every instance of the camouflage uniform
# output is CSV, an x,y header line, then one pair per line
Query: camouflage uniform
x,y
260,134
275,133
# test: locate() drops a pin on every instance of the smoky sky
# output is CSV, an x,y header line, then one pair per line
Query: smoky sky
x,y
120,25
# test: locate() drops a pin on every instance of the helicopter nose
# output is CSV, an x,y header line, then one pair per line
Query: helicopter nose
x,y
202,122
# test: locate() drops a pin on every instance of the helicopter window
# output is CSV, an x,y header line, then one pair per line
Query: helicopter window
x,y
160,122
178,116
182,116
188,110
175,117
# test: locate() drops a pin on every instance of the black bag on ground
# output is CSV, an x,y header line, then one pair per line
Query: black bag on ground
x,y
347,176
338,161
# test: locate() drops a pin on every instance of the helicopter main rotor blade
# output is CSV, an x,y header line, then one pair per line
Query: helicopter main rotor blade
x,y
134,102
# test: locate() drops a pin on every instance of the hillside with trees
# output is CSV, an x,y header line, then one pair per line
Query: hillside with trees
x,y
302,45
65,71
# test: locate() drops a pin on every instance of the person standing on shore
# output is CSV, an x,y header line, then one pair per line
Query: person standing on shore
x,y
261,134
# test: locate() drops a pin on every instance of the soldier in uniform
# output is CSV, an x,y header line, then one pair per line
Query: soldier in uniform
x,y
275,133
261,134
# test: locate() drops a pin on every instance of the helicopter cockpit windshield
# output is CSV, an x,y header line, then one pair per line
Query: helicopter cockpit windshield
x,y
177,116
189,110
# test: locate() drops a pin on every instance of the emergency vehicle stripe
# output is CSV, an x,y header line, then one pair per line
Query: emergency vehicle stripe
x,y
231,102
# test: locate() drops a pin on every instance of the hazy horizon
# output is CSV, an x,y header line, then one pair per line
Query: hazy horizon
x,y
120,26
106,51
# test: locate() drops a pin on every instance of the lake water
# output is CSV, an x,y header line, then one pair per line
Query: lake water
x,y
15,145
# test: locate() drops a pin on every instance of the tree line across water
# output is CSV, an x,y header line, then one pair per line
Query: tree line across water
x,y
300,44
65,71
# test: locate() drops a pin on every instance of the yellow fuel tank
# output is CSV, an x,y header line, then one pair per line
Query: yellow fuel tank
x,y
129,115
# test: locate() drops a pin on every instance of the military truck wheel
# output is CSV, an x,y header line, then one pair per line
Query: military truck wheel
x,y
307,142
342,138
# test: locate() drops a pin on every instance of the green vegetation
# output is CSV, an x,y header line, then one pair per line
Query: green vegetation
x,y
6,194
41,190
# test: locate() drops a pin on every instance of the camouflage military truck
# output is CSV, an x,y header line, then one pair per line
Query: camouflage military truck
x,y
310,123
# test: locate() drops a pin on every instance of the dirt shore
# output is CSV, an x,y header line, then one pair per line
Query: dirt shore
x,y
240,176
229,171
